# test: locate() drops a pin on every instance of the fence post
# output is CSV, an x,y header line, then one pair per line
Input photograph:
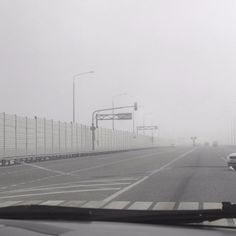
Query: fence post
x,y
36,135
26,135
89,134
15,135
52,135
76,130
110,139
81,134
4,134
106,138
44,134
86,138
65,136
98,135
59,136
123,140
71,128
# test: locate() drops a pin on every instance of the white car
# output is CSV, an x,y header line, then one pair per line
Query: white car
x,y
231,160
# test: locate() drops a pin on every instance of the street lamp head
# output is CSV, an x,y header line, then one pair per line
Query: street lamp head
x,y
83,73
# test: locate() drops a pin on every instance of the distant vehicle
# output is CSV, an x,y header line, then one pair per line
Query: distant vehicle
x,y
215,144
231,160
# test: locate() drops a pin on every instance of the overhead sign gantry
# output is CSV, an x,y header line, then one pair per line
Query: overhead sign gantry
x,y
119,116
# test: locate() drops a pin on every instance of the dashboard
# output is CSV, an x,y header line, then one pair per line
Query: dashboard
x,y
42,228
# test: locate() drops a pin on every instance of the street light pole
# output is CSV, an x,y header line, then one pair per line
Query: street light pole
x,y
77,77
117,95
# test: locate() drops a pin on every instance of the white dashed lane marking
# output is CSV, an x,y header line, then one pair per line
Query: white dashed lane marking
x,y
164,206
59,192
117,205
140,205
188,206
52,203
9,203
212,205
94,204
63,187
74,203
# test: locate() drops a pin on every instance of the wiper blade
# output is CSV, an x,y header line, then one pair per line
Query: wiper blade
x,y
44,212
173,217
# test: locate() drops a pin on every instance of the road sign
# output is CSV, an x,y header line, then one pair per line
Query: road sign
x,y
147,127
118,116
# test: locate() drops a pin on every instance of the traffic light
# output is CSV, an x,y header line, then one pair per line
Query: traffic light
x,y
135,106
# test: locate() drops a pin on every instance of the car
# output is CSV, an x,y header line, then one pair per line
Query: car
x,y
231,160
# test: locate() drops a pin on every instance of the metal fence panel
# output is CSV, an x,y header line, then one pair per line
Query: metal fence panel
x,y
21,136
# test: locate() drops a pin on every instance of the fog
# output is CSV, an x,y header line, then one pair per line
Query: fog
x,y
175,58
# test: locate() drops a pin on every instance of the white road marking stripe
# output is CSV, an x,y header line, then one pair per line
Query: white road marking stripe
x,y
60,192
140,205
164,206
73,203
63,187
234,220
30,202
83,181
52,203
94,204
212,205
47,169
8,203
115,195
117,205
188,206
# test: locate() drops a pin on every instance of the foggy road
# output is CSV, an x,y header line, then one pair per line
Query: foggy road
x,y
169,178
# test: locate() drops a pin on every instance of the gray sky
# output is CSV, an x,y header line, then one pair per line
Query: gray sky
x,y
176,58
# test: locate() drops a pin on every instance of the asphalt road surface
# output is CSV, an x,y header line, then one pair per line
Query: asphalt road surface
x,y
160,178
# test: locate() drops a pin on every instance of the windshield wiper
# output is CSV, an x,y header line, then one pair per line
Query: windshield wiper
x,y
173,217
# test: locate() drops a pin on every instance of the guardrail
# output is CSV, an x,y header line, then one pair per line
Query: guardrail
x,y
27,137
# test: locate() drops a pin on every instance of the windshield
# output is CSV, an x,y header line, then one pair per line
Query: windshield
x,y
125,104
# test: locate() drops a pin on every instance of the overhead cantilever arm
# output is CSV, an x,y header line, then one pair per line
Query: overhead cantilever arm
x,y
107,109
